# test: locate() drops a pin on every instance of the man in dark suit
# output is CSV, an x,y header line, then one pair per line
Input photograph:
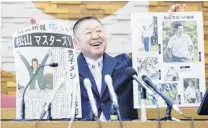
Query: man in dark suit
x,y
90,38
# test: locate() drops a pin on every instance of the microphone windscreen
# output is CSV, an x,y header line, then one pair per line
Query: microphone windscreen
x,y
53,64
108,79
149,82
143,77
130,72
87,83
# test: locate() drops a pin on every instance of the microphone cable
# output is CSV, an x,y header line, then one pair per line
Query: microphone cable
x,y
99,122
116,116
192,120
119,116
74,100
158,113
36,124
70,123
159,121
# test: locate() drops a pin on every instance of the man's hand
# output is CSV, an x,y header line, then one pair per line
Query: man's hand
x,y
176,8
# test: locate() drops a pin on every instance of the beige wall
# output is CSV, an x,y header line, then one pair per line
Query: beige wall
x,y
116,21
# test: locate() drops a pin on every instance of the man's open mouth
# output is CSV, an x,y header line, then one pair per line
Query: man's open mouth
x,y
96,44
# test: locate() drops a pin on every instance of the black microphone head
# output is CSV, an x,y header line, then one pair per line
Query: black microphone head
x,y
144,77
53,64
130,72
148,81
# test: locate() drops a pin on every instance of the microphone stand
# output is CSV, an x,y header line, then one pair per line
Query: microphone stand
x,y
119,116
74,99
143,103
170,104
23,95
168,116
115,114
96,118
49,117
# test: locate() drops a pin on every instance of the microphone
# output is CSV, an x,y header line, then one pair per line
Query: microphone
x,y
74,99
130,72
23,95
87,85
51,96
108,81
53,64
168,101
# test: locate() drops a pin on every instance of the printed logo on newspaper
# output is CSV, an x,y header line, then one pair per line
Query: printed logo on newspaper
x,y
53,26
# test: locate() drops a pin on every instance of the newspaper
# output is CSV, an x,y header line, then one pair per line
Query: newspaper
x,y
170,51
39,45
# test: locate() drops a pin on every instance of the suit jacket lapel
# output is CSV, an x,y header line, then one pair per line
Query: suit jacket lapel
x,y
86,73
109,64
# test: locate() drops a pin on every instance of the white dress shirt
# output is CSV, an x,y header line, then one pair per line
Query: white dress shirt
x,y
91,66
98,75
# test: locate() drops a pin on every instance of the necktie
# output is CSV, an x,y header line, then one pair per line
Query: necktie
x,y
97,75
98,79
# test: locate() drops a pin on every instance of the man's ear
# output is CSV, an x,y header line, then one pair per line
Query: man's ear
x,y
76,45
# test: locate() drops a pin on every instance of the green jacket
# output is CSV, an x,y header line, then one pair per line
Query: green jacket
x,y
39,76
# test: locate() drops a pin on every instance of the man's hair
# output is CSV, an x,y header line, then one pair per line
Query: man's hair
x,y
177,25
34,59
84,19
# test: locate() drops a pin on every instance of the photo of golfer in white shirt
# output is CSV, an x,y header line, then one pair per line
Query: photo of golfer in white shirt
x,y
180,46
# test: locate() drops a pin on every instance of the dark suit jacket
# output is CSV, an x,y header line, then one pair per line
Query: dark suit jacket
x,y
123,87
